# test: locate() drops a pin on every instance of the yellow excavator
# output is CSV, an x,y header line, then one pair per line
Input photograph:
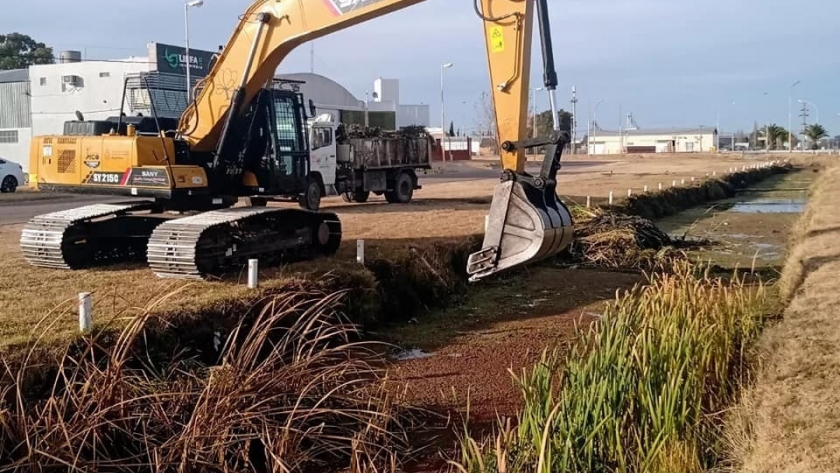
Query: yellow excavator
x,y
243,138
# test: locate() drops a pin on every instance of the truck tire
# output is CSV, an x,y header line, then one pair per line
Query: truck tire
x,y
403,189
357,196
311,198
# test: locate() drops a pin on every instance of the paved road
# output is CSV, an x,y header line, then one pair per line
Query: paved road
x,y
17,208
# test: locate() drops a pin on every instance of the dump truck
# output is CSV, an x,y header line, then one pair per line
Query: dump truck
x,y
354,165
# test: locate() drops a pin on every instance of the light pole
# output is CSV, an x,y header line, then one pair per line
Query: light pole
x,y
790,117
194,4
534,111
593,121
442,115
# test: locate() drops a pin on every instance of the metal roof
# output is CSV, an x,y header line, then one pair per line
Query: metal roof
x,y
14,75
656,131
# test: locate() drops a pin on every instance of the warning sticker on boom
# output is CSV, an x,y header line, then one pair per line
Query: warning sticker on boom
x,y
343,7
497,40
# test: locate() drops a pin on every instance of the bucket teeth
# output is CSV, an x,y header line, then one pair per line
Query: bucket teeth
x,y
526,224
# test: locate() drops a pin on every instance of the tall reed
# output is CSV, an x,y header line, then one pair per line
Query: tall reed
x,y
642,391
294,390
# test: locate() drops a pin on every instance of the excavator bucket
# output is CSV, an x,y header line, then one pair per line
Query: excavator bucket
x,y
525,224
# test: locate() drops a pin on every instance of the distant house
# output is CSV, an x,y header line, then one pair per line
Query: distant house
x,y
676,140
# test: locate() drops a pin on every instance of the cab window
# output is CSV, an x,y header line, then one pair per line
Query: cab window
x,y
322,137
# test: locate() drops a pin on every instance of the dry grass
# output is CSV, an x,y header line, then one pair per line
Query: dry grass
x,y
293,390
790,419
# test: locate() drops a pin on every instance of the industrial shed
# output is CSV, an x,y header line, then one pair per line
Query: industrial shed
x,y
15,116
663,140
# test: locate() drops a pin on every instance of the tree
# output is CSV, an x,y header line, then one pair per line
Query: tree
x,y
814,133
452,128
775,136
19,51
545,125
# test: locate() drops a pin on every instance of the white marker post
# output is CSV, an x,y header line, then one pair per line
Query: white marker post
x,y
360,245
692,178
660,186
588,201
85,312
629,192
645,188
611,197
253,273
674,183
682,182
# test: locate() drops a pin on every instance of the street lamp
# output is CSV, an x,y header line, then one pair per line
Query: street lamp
x,y
193,4
534,111
442,116
790,117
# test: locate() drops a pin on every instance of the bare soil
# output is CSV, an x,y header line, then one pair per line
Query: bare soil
x,y
789,420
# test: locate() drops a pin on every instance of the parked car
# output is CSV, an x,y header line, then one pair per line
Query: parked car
x,y
11,176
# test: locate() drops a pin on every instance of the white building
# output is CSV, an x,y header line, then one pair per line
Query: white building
x,y
676,140
15,116
386,97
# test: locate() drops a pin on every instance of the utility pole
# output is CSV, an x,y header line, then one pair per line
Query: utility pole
x,y
187,6
804,116
574,119
442,117
790,119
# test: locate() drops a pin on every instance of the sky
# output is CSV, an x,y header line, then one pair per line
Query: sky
x,y
681,63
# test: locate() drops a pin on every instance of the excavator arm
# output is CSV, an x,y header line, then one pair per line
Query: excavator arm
x,y
526,221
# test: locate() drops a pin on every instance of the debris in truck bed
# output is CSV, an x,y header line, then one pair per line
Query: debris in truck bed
x,y
353,131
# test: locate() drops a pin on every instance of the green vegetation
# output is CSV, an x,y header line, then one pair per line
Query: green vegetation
x,y
643,390
19,51
815,133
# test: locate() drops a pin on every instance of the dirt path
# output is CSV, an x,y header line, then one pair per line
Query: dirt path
x,y
790,420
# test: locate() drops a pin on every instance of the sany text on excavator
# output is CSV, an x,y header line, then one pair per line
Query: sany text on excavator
x,y
240,137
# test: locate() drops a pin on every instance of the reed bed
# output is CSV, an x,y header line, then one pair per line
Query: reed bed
x,y
644,389
293,390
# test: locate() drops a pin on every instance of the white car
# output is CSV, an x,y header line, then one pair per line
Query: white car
x,y
11,176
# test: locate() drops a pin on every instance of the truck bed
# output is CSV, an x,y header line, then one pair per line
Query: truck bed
x,y
386,153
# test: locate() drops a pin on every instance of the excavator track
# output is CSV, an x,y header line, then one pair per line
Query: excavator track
x,y
87,236
210,243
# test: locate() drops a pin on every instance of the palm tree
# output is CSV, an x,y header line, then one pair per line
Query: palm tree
x,y
776,135
814,133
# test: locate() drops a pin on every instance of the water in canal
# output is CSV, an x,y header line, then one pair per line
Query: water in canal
x,y
749,229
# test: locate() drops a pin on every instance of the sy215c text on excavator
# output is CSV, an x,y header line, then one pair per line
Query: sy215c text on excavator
x,y
240,138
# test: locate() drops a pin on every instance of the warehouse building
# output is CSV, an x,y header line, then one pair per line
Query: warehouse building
x,y
676,140
15,116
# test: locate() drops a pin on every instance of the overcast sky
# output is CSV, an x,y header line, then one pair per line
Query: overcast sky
x,y
669,62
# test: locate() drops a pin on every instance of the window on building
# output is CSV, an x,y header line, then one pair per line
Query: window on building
x,y
104,74
8,136
689,147
43,81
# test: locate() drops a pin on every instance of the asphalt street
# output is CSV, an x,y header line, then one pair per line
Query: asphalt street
x,y
17,209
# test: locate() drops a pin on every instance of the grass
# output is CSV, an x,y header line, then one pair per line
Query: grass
x,y
788,417
643,389
294,389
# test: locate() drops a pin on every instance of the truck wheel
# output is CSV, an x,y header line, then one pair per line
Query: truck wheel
x,y
403,190
361,196
311,199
